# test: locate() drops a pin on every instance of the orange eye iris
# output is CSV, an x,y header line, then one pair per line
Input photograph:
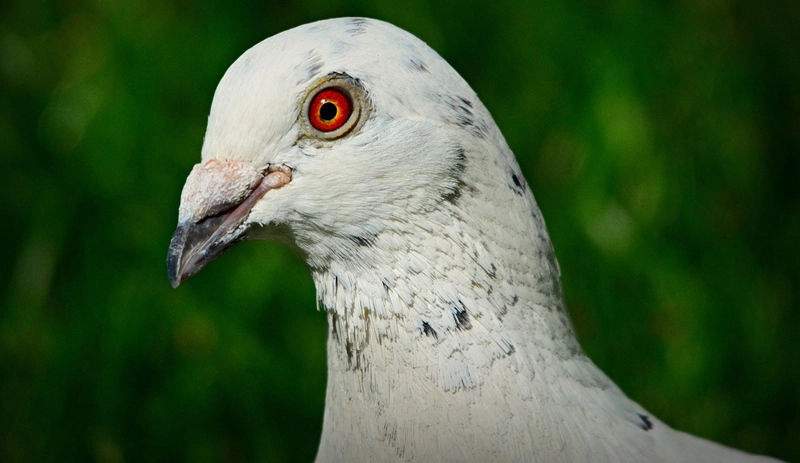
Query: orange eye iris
x,y
330,109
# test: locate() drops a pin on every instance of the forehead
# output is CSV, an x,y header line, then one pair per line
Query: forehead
x,y
382,56
364,46
263,90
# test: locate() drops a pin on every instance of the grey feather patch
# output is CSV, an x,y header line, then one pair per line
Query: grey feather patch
x,y
310,66
463,115
417,64
358,26
459,165
314,68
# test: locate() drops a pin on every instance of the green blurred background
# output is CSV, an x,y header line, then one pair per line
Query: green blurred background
x,y
661,140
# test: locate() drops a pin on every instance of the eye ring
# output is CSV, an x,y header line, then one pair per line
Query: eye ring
x,y
334,107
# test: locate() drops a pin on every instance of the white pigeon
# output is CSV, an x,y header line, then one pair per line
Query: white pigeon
x,y
449,339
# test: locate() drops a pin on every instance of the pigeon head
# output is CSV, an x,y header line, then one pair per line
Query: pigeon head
x,y
327,136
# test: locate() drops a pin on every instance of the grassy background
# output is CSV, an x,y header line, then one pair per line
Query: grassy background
x,y
661,141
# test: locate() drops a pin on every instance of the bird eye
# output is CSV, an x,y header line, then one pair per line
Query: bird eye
x,y
334,106
330,109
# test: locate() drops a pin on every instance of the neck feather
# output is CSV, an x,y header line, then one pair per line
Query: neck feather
x,y
447,290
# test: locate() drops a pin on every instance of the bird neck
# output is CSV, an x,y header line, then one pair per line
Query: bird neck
x,y
428,332
449,304
447,318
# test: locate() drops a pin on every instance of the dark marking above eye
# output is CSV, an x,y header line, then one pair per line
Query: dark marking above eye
x,y
646,423
314,68
311,65
428,331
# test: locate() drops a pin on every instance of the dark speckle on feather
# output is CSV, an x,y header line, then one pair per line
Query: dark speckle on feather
x,y
335,285
518,184
334,323
646,423
463,116
462,318
516,180
348,347
359,26
428,331
417,64
366,240
453,195
504,309
460,161
459,165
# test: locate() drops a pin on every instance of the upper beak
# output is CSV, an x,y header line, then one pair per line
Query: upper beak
x,y
215,202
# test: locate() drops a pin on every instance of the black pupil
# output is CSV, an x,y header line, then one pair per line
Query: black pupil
x,y
328,111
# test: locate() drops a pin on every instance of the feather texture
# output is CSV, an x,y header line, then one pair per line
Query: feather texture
x,y
449,336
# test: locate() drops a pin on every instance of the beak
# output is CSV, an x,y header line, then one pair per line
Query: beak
x,y
216,200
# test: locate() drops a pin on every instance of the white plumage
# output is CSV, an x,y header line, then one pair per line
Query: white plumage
x,y
449,337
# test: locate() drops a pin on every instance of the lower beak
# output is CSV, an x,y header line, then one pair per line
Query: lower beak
x,y
215,203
